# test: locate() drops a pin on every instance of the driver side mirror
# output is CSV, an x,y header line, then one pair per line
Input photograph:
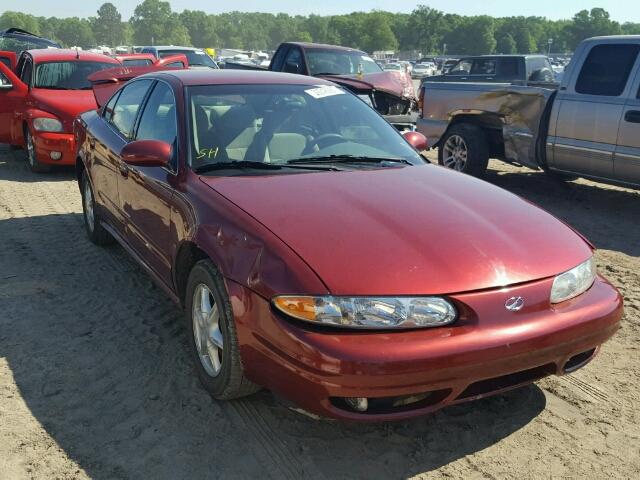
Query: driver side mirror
x,y
416,140
291,67
147,153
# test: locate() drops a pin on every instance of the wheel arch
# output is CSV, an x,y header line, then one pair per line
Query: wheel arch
x,y
490,123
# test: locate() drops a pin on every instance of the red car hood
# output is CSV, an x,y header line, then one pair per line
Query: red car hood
x,y
413,230
395,83
64,104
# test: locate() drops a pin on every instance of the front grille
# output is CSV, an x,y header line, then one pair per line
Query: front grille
x,y
505,381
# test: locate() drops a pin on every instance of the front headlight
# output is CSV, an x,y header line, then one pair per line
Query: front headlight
x,y
47,125
368,312
574,282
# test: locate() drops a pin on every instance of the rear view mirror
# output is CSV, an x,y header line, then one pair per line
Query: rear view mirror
x,y
416,140
147,153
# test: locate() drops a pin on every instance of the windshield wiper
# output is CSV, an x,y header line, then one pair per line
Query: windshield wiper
x,y
252,165
347,159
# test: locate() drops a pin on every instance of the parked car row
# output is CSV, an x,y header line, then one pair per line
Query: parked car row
x,y
313,249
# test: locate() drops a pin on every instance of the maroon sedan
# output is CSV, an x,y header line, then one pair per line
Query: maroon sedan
x,y
317,254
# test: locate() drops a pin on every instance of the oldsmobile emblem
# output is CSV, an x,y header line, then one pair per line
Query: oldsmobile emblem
x,y
514,304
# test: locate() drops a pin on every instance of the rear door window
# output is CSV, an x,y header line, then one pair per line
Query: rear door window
x,y
484,66
463,67
127,106
606,70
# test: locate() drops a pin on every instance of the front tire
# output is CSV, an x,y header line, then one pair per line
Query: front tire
x,y
465,148
212,335
92,222
34,165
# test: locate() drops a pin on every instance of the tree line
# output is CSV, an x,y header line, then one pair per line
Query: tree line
x,y
424,30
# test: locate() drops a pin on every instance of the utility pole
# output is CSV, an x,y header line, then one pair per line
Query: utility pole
x,y
550,41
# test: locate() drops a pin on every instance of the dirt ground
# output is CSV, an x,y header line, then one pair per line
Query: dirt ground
x,y
95,378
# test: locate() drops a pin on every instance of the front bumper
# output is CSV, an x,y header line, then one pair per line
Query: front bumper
x,y
487,351
47,142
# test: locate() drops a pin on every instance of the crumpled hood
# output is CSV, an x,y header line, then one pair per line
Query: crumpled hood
x,y
64,104
395,83
411,230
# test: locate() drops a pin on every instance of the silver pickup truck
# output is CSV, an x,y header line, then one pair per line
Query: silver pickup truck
x,y
588,126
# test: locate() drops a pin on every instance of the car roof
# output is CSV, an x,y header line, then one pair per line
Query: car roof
x,y
174,47
53,54
237,77
323,46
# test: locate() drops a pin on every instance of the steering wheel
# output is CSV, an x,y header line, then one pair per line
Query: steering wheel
x,y
324,140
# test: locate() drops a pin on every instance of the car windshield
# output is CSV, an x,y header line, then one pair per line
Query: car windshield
x,y
195,57
70,75
340,62
393,66
287,124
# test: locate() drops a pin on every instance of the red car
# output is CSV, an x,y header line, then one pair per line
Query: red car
x,y
316,254
41,98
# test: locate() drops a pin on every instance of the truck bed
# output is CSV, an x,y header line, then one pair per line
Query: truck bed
x,y
514,112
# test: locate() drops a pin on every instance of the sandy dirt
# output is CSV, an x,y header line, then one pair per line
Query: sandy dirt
x,y
95,378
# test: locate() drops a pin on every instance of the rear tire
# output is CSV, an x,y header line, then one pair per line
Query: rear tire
x,y
92,222
464,148
212,337
34,165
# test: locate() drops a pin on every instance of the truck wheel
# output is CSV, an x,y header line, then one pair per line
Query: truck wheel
x,y
95,231
212,338
464,148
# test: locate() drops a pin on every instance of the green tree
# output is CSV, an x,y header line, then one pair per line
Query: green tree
x,y
75,32
153,22
19,20
377,33
506,44
525,43
107,26
590,24
201,28
425,29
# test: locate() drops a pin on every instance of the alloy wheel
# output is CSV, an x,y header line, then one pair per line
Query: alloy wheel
x,y
31,151
206,330
455,153
88,205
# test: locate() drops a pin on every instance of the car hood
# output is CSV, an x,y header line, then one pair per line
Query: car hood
x,y
411,230
64,104
394,83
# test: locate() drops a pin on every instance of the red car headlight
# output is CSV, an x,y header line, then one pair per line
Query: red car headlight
x,y
368,312
47,125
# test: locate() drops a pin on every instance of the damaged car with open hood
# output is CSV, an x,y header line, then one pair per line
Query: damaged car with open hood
x,y
391,93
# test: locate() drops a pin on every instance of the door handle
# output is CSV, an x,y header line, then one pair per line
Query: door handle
x,y
632,116
124,170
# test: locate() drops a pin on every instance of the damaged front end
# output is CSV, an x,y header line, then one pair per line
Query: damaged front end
x,y
390,93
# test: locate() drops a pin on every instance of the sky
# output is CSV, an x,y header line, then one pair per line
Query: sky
x,y
622,11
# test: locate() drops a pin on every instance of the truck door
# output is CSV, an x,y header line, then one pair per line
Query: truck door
x,y
626,162
589,111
